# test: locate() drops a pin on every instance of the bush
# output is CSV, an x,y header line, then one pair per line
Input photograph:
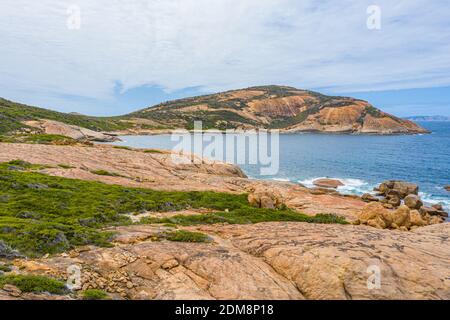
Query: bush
x,y
95,294
5,268
105,173
186,236
246,216
152,151
36,284
65,166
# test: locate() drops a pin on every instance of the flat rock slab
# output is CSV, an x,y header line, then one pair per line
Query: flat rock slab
x,y
267,261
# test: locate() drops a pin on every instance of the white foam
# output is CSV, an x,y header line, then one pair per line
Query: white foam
x,y
281,179
351,186
431,200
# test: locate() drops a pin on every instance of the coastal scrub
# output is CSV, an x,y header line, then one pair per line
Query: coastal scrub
x,y
42,214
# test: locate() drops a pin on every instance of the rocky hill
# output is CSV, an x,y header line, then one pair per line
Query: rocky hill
x,y
269,107
277,107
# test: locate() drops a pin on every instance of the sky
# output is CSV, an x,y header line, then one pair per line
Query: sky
x,y
110,57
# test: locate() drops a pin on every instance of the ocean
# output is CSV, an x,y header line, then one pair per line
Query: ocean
x,y
361,162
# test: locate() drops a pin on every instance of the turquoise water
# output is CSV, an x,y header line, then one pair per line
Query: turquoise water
x,y
361,162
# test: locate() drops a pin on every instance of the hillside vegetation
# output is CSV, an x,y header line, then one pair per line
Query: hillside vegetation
x,y
12,115
42,214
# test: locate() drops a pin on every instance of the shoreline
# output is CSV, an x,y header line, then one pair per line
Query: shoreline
x,y
231,260
280,131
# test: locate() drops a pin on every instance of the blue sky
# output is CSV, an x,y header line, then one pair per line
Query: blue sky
x,y
127,55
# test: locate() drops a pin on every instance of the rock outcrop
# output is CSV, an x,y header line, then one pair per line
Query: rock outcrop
x,y
328,183
266,198
264,261
399,188
413,201
403,218
71,131
396,193
367,197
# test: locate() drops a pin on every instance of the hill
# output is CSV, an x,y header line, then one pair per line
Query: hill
x,y
277,107
269,107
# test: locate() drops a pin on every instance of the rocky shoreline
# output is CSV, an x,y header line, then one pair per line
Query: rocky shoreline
x,y
269,260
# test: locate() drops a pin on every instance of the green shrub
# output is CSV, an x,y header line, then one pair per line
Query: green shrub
x,y
95,294
65,166
246,216
5,268
152,151
123,148
42,214
37,284
48,139
105,173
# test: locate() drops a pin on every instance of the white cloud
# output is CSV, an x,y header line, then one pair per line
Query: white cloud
x,y
220,44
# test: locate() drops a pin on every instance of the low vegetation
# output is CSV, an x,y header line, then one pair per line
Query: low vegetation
x,y
35,284
105,173
95,294
245,216
185,236
65,166
42,214
52,139
5,268
152,151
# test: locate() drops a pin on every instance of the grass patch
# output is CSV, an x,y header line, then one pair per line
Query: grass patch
x,y
21,165
36,284
152,151
65,166
123,148
186,236
106,173
246,216
95,294
49,139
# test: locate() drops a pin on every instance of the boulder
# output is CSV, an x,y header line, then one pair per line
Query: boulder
x,y
435,220
393,198
328,183
437,207
401,218
401,187
413,201
266,198
433,212
367,197
375,215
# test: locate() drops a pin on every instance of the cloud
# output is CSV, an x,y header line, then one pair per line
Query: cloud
x,y
219,44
